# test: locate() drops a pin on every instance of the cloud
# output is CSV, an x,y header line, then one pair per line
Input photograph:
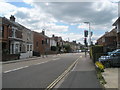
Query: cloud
x,y
7,9
101,15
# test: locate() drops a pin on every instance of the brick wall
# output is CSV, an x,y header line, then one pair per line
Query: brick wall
x,y
40,44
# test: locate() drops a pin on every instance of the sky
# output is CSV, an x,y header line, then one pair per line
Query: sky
x,y
65,19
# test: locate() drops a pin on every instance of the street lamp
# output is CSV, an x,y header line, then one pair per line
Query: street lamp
x,y
89,32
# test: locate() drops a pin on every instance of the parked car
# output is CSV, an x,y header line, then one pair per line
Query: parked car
x,y
115,51
110,60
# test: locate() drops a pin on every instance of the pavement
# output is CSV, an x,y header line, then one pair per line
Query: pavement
x,y
111,76
27,59
82,76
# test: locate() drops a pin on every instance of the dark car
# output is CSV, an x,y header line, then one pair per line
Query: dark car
x,y
115,59
111,60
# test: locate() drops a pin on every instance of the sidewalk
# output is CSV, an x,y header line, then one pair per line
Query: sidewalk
x,y
111,76
26,59
82,76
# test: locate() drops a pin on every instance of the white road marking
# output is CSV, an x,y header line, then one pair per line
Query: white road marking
x,y
15,69
56,59
27,66
41,63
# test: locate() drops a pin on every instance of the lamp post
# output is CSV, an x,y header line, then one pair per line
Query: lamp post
x,y
89,32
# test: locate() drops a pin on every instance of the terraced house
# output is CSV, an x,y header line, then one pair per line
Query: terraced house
x,y
16,39
41,43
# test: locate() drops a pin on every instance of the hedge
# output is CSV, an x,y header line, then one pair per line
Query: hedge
x,y
96,52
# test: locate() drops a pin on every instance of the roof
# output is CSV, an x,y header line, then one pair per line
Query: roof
x,y
41,34
13,23
109,34
114,24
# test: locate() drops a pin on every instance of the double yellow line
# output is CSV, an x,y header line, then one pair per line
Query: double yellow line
x,y
61,76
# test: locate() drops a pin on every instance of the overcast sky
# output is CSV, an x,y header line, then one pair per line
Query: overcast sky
x,y
63,19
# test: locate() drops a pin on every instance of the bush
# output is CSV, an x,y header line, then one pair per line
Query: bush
x,y
96,52
67,48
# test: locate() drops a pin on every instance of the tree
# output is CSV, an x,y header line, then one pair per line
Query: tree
x,y
67,48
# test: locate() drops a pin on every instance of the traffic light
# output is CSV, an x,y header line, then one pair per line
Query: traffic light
x,y
85,41
86,33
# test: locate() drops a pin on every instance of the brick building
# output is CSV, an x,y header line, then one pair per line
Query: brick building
x,y
117,24
108,40
41,43
12,38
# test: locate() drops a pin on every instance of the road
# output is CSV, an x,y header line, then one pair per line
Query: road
x,y
36,73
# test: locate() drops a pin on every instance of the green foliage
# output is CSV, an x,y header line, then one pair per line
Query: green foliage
x,y
67,48
95,52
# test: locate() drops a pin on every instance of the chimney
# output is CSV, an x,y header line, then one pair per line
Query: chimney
x,y
12,18
43,32
53,35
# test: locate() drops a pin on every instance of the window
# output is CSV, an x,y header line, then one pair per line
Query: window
x,y
20,47
27,47
12,49
45,41
42,41
16,48
30,47
12,32
2,29
36,44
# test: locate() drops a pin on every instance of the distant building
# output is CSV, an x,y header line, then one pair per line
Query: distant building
x,y
53,42
108,40
75,47
117,24
58,40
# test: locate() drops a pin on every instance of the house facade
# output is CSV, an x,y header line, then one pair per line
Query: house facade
x,y
117,24
13,38
108,40
53,42
41,43
27,45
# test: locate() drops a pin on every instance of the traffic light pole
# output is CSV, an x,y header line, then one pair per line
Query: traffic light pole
x,y
89,34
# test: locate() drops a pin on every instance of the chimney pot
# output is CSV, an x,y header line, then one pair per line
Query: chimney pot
x,y
12,18
53,35
43,32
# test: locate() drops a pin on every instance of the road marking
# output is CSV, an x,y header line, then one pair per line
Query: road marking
x,y
56,59
41,63
80,56
15,69
62,75
27,66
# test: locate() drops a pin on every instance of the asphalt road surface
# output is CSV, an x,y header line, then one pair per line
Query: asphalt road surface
x,y
36,73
